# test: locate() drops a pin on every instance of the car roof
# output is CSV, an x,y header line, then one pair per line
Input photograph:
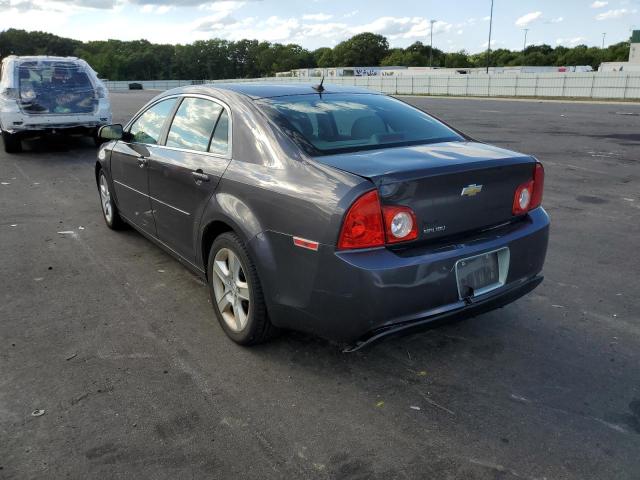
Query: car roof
x,y
36,58
257,90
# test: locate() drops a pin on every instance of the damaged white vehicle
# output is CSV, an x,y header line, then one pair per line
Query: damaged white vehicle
x,y
43,94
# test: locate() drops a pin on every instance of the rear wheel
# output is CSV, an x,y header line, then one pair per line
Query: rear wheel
x,y
93,134
236,293
109,209
12,142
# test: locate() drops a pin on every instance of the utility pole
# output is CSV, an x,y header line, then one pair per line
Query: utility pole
x,y
526,31
489,44
431,50
604,35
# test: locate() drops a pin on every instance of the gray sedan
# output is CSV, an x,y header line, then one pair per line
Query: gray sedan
x,y
332,210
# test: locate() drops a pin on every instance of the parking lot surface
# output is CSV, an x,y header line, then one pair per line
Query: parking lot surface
x,y
117,343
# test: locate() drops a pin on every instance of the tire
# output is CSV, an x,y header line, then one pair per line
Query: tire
x,y
109,210
97,141
12,142
239,303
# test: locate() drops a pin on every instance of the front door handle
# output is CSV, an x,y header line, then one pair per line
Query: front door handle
x,y
199,176
142,162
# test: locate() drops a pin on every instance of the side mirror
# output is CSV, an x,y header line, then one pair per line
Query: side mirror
x,y
111,132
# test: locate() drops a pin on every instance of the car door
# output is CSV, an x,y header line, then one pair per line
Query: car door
x,y
130,160
184,173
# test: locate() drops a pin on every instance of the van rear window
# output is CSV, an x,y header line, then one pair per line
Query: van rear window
x,y
336,123
55,88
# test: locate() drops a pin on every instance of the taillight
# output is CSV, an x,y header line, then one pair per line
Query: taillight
x,y
367,224
11,93
362,227
400,224
529,195
538,186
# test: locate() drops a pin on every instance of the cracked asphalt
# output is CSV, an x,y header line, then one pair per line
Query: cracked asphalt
x,y
117,342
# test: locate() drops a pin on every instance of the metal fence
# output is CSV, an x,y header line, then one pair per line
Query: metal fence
x,y
618,85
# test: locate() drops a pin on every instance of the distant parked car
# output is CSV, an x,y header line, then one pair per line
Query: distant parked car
x,y
332,210
43,94
135,86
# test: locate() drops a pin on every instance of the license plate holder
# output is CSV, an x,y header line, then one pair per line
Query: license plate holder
x,y
482,273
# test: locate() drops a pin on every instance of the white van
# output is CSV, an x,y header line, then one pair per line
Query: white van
x,y
42,94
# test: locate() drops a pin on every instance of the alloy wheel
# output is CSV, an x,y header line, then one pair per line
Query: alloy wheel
x,y
231,289
105,199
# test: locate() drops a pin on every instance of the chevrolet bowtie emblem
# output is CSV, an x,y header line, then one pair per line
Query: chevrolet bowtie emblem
x,y
471,190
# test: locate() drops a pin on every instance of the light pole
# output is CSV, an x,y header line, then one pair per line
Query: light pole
x,y
604,35
431,50
526,31
489,44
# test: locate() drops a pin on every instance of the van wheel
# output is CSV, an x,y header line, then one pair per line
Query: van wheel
x,y
12,142
236,293
97,141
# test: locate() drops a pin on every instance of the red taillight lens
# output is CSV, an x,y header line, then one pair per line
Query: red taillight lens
x,y
367,224
529,195
362,227
400,224
538,186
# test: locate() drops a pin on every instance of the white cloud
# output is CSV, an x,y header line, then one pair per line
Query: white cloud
x,y
402,27
157,9
599,4
570,42
557,20
527,19
612,14
320,17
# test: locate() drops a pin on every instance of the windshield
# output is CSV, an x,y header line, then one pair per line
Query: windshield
x,y
336,123
55,87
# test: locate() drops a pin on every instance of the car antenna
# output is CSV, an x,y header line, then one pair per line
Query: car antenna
x,y
319,88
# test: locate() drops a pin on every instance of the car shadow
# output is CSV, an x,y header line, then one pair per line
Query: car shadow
x,y
60,142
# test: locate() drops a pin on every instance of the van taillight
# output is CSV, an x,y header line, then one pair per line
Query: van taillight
x,y
367,224
529,195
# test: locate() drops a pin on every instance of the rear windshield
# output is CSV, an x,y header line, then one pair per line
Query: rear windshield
x,y
335,123
55,87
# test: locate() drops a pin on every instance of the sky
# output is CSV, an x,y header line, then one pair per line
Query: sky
x,y
460,24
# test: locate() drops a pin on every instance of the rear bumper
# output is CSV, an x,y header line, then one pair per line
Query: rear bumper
x,y
359,296
13,120
458,311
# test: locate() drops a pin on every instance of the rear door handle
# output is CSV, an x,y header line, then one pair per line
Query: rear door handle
x,y
199,176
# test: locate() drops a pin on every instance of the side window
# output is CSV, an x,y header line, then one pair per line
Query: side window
x,y
193,124
220,140
147,128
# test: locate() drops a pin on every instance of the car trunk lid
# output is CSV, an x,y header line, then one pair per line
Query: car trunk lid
x,y
452,187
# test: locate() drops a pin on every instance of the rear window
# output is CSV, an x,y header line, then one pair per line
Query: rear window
x,y
55,87
335,123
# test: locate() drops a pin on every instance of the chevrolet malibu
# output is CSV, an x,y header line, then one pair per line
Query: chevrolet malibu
x,y
331,210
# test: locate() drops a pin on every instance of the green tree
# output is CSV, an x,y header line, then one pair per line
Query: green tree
x,y
365,49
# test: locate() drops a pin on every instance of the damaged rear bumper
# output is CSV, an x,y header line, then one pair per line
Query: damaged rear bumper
x,y
456,311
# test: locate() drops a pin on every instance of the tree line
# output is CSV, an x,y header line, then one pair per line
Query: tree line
x,y
217,58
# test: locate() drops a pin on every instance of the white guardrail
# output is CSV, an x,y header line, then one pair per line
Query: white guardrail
x,y
618,85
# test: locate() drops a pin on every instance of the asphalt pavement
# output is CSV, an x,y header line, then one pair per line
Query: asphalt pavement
x,y
113,366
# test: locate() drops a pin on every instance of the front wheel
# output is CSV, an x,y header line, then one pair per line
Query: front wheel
x,y
109,209
12,142
236,293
